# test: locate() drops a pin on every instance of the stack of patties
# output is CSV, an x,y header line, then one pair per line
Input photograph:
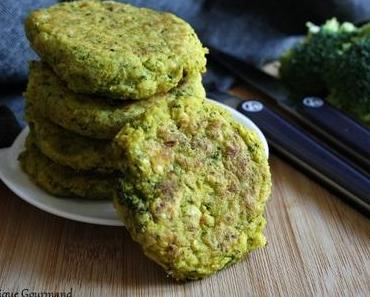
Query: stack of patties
x,y
117,110
103,64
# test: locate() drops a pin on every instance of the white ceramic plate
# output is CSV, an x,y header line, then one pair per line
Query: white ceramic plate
x,y
94,212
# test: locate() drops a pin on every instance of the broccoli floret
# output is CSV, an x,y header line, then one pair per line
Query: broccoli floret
x,y
350,87
303,67
332,61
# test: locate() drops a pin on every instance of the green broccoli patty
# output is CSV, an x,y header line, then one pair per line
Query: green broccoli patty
x,y
69,149
114,49
62,181
87,115
195,188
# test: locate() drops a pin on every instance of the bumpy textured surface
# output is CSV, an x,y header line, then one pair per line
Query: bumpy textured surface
x,y
69,149
305,67
194,192
88,115
114,49
350,84
62,181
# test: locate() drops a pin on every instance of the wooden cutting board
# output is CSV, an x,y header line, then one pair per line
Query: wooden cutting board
x,y
317,246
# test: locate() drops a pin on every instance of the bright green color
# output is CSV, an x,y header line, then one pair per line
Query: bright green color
x,y
115,50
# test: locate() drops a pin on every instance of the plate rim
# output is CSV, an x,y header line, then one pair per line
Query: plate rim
x,y
47,207
4,153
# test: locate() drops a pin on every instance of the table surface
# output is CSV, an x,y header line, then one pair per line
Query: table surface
x,y
317,246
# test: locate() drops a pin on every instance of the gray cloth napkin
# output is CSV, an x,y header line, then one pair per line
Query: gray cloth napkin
x,y
256,31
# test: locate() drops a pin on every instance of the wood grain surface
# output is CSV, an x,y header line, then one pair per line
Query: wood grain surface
x,y
317,246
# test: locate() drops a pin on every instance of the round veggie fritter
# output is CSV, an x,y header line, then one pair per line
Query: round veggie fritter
x,y
88,115
62,181
195,188
114,49
69,149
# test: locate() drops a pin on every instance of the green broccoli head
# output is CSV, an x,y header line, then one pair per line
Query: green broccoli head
x,y
333,61
303,67
350,80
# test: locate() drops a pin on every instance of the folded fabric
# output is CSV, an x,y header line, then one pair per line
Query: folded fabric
x,y
256,31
